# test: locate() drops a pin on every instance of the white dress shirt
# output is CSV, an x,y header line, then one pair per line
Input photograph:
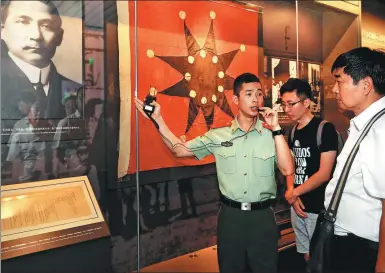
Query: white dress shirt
x,y
33,72
360,208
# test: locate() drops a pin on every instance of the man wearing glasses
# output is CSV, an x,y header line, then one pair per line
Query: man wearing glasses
x,y
313,163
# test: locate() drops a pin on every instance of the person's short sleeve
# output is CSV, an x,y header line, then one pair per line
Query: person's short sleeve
x,y
200,146
329,138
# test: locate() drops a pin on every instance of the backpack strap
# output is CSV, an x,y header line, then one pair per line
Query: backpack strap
x,y
292,131
319,132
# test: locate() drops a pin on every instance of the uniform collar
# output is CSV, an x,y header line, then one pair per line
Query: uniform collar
x,y
235,126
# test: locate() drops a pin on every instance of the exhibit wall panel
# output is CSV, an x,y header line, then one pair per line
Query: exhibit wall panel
x,y
348,39
373,24
338,32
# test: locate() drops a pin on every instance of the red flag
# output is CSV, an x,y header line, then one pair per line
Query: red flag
x,y
190,52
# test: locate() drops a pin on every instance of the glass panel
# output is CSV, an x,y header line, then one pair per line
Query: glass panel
x,y
52,135
42,94
280,55
324,33
373,22
190,54
53,115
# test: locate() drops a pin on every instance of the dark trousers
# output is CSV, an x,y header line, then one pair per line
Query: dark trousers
x,y
353,254
247,239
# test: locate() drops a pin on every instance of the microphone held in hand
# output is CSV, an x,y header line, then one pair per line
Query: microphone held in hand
x,y
147,107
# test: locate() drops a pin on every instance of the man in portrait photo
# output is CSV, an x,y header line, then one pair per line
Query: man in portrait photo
x,y
31,31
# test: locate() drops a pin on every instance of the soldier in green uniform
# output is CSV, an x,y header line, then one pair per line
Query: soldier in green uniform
x,y
246,155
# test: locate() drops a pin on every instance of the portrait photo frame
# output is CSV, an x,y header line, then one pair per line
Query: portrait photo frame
x,y
42,44
62,81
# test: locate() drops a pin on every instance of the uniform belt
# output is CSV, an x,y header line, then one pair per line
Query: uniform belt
x,y
246,206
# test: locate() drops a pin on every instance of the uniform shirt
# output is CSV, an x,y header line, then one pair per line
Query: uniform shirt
x,y
360,208
246,169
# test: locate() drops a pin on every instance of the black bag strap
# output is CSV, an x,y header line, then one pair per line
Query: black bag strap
x,y
336,198
319,132
292,132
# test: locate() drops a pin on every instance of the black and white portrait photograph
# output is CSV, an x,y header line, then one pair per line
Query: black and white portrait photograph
x,y
41,60
42,84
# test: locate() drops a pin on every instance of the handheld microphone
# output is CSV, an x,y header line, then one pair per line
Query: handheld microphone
x,y
148,108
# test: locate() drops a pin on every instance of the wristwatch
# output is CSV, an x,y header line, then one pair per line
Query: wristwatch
x,y
278,132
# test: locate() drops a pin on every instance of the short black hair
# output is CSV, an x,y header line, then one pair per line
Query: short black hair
x,y
89,108
241,79
52,9
363,62
301,87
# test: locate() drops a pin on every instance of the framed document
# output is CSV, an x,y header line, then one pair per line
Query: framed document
x,y
48,214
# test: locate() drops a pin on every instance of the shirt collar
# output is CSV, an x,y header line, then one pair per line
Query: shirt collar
x,y
77,114
364,117
32,72
235,126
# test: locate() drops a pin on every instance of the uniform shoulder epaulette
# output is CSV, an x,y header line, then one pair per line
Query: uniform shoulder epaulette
x,y
224,125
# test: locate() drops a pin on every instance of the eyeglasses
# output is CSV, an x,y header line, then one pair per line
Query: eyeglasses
x,y
290,104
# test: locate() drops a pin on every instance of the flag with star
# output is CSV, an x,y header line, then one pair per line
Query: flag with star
x,y
190,52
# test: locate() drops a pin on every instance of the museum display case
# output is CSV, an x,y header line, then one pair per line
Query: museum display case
x,y
38,218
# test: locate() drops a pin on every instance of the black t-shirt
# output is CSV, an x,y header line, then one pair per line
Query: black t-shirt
x,y
307,159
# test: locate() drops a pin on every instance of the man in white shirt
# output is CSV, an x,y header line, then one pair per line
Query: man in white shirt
x,y
359,241
26,147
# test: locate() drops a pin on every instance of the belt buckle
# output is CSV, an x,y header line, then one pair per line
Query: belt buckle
x,y
246,206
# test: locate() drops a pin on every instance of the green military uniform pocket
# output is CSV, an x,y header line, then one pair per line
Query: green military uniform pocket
x,y
226,160
263,164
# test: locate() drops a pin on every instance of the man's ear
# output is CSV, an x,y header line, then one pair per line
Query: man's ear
x,y
2,28
235,99
306,102
368,85
59,38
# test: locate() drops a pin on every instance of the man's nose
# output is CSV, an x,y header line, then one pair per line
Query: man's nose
x,y
34,31
335,88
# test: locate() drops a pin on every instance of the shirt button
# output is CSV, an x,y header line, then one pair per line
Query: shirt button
x,y
245,173
245,192
245,155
